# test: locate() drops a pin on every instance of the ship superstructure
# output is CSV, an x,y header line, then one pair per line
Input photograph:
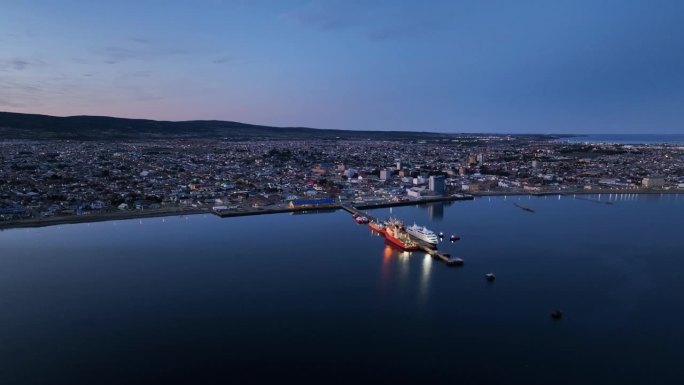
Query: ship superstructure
x,y
423,233
394,232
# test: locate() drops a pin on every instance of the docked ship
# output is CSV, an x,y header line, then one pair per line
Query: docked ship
x,y
360,219
423,233
377,227
395,234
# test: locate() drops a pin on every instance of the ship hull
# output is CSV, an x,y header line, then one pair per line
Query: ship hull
x,y
431,243
400,243
391,235
376,228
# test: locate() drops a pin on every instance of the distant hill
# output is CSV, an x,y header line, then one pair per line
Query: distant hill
x,y
44,127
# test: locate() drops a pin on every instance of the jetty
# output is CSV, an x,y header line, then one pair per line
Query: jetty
x,y
525,208
594,200
422,245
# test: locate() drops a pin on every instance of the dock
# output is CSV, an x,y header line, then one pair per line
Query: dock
x,y
524,208
432,250
594,200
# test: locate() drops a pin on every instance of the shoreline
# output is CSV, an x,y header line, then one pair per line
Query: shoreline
x,y
125,215
101,217
581,192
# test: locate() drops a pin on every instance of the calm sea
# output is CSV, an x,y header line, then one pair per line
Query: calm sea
x,y
319,299
629,138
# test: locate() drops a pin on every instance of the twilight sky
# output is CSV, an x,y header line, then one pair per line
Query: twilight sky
x,y
575,66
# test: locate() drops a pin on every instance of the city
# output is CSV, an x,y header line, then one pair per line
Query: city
x,y
73,179
341,191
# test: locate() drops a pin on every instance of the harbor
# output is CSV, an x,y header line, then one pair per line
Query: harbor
x,y
419,244
234,276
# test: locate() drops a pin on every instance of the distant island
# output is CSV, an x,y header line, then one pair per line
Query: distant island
x,y
45,127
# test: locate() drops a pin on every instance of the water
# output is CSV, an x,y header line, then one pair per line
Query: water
x,y
318,299
628,138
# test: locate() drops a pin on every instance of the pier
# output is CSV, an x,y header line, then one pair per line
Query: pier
x,y
432,250
524,208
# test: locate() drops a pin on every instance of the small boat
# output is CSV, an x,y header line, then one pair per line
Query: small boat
x,y
455,262
490,277
454,238
441,234
556,314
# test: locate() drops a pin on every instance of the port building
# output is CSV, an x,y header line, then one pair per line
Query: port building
x,y
301,203
436,184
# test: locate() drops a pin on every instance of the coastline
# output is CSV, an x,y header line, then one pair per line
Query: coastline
x,y
100,217
123,215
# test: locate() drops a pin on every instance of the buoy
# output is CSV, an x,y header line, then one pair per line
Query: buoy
x,y
490,277
556,314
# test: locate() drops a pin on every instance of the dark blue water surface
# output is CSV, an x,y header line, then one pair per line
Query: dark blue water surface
x,y
628,138
318,299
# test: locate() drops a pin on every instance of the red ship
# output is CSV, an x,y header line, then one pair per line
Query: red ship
x,y
377,227
396,235
360,219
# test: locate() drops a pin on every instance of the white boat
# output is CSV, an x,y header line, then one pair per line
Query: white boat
x,y
423,233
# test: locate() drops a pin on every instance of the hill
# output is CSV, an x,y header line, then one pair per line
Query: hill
x,y
45,127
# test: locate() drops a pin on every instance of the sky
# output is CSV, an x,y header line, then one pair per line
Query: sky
x,y
576,66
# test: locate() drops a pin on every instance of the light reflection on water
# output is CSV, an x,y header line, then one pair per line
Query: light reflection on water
x,y
425,278
288,294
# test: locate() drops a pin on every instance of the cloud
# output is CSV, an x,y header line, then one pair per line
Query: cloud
x,y
16,94
223,60
8,85
333,15
403,30
18,64
7,103
137,49
139,40
376,20
138,74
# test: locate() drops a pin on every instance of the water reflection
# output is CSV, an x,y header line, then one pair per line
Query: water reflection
x,y
385,269
403,266
603,278
425,278
401,261
436,211
386,254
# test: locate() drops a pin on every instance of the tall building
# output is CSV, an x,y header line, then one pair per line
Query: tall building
x,y
436,184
